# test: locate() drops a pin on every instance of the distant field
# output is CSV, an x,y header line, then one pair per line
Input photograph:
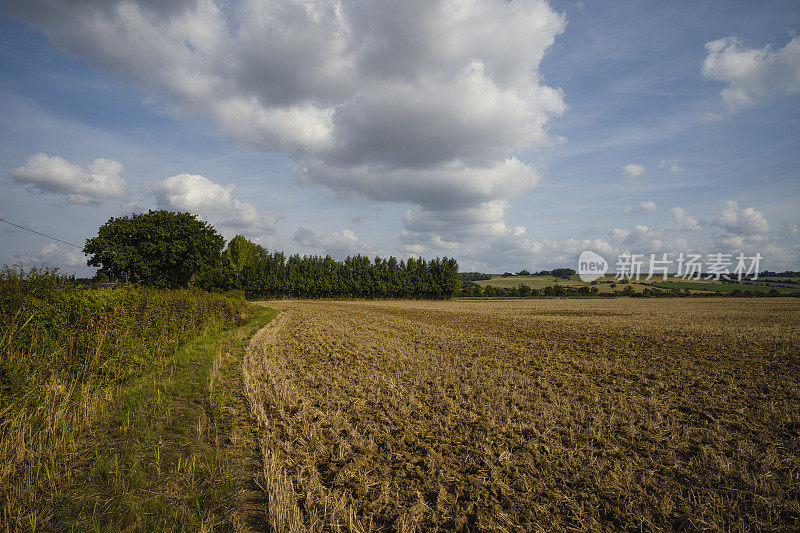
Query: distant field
x,y
530,415
604,284
534,282
540,282
721,287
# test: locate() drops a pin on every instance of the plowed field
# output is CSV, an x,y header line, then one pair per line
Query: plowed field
x,y
530,415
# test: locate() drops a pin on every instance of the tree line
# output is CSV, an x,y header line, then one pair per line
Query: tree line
x,y
473,276
473,290
261,273
172,250
564,273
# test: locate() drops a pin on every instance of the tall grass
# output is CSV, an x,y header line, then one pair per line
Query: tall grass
x,y
64,353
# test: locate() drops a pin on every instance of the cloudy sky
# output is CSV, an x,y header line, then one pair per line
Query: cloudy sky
x,y
508,134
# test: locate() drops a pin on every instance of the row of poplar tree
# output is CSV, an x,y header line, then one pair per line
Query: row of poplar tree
x,y
261,273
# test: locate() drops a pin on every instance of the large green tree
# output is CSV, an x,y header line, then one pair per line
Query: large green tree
x,y
158,248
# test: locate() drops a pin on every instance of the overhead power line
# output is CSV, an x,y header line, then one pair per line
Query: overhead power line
x,y
40,233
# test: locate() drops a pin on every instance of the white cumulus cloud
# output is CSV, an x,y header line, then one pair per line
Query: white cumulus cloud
x,y
338,244
50,255
740,221
671,166
198,194
648,206
641,239
98,181
683,221
752,73
633,171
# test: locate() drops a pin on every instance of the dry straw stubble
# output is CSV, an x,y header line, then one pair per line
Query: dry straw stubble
x,y
544,414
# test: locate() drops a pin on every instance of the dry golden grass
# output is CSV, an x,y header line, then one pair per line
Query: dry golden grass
x,y
547,415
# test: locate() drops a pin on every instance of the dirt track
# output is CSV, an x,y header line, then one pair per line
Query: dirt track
x,y
525,415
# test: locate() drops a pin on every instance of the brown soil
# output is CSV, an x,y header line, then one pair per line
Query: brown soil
x,y
530,415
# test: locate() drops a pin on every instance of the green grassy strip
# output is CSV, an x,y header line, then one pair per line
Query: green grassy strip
x,y
66,354
720,287
166,457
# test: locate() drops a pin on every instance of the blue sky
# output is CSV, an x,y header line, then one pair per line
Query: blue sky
x,y
509,135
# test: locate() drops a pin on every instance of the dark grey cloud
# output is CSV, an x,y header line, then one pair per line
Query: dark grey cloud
x,y
53,9
426,102
438,188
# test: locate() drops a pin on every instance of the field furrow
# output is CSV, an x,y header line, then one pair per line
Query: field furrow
x,y
518,416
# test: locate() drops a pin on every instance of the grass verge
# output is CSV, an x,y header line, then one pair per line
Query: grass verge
x,y
172,450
